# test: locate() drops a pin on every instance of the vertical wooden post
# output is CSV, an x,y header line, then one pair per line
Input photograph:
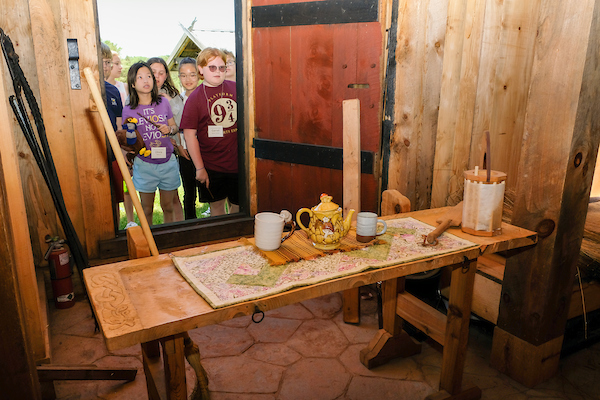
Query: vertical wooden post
x,y
351,136
559,152
18,287
460,74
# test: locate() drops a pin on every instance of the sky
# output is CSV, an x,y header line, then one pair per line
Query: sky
x,y
151,28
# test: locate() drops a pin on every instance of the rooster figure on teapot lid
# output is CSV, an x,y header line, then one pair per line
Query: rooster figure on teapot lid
x,y
327,226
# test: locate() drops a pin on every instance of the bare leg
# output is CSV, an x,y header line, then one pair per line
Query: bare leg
x,y
128,205
147,200
177,208
233,208
167,198
217,208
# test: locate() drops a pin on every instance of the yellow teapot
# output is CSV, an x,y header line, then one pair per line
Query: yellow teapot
x,y
327,226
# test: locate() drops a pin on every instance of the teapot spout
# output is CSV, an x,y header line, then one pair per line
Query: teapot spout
x,y
348,221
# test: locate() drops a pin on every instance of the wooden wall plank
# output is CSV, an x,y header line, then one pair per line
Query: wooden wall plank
x,y
507,57
50,46
80,22
18,159
419,57
20,330
42,220
458,97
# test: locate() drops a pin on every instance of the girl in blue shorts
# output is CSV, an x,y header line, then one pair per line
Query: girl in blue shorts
x,y
159,169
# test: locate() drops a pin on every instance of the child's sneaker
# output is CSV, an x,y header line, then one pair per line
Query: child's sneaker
x,y
130,224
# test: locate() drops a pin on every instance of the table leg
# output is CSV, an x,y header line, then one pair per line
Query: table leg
x,y
457,335
391,341
174,364
351,306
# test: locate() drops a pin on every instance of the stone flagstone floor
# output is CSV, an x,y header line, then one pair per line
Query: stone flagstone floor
x,y
304,351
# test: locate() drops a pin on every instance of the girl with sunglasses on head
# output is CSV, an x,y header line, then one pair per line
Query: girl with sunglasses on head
x,y
209,124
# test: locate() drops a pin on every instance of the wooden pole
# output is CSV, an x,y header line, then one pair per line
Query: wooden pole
x,y
351,135
114,143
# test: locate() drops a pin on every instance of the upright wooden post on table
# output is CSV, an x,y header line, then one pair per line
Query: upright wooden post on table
x,y
114,143
351,136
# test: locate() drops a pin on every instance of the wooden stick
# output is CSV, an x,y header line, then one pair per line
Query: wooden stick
x,y
351,139
114,143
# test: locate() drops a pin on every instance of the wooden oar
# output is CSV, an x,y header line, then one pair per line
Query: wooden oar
x,y
114,143
452,217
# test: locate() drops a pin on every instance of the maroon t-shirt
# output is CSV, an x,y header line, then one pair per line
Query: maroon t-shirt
x,y
214,106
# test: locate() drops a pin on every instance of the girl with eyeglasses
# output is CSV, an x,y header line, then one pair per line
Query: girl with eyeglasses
x,y
209,124
230,72
189,78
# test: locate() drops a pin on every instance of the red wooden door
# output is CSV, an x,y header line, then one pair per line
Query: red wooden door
x,y
308,58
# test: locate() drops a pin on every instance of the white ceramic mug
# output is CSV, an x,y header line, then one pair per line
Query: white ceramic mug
x,y
268,229
366,226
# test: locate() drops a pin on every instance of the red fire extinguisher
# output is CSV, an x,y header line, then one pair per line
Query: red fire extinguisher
x,y
60,273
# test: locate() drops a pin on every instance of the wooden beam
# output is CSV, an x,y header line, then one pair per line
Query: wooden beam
x,y
137,244
559,152
510,30
42,218
80,22
422,316
351,138
418,60
458,97
49,45
18,376
82,373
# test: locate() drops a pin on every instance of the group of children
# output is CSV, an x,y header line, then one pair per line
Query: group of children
x,y
191,136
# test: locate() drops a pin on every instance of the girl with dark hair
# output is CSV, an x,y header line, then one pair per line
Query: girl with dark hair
x,y
165,84
189,78
167,89
158,169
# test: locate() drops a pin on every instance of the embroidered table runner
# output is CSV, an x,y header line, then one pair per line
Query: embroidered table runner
x,y
240,274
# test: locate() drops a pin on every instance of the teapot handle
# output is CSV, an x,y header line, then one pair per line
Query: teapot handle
x,y
299,213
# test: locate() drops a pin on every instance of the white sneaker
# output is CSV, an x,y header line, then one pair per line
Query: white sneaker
x,y
130,224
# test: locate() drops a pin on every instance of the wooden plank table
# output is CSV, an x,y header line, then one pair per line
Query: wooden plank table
x,y
145,300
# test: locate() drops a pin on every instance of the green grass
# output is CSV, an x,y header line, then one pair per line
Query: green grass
x,y
202,211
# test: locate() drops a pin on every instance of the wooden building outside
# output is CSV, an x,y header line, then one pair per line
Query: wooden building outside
x,y
431,75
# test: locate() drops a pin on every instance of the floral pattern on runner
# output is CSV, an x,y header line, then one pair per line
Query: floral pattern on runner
x,y
240,274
